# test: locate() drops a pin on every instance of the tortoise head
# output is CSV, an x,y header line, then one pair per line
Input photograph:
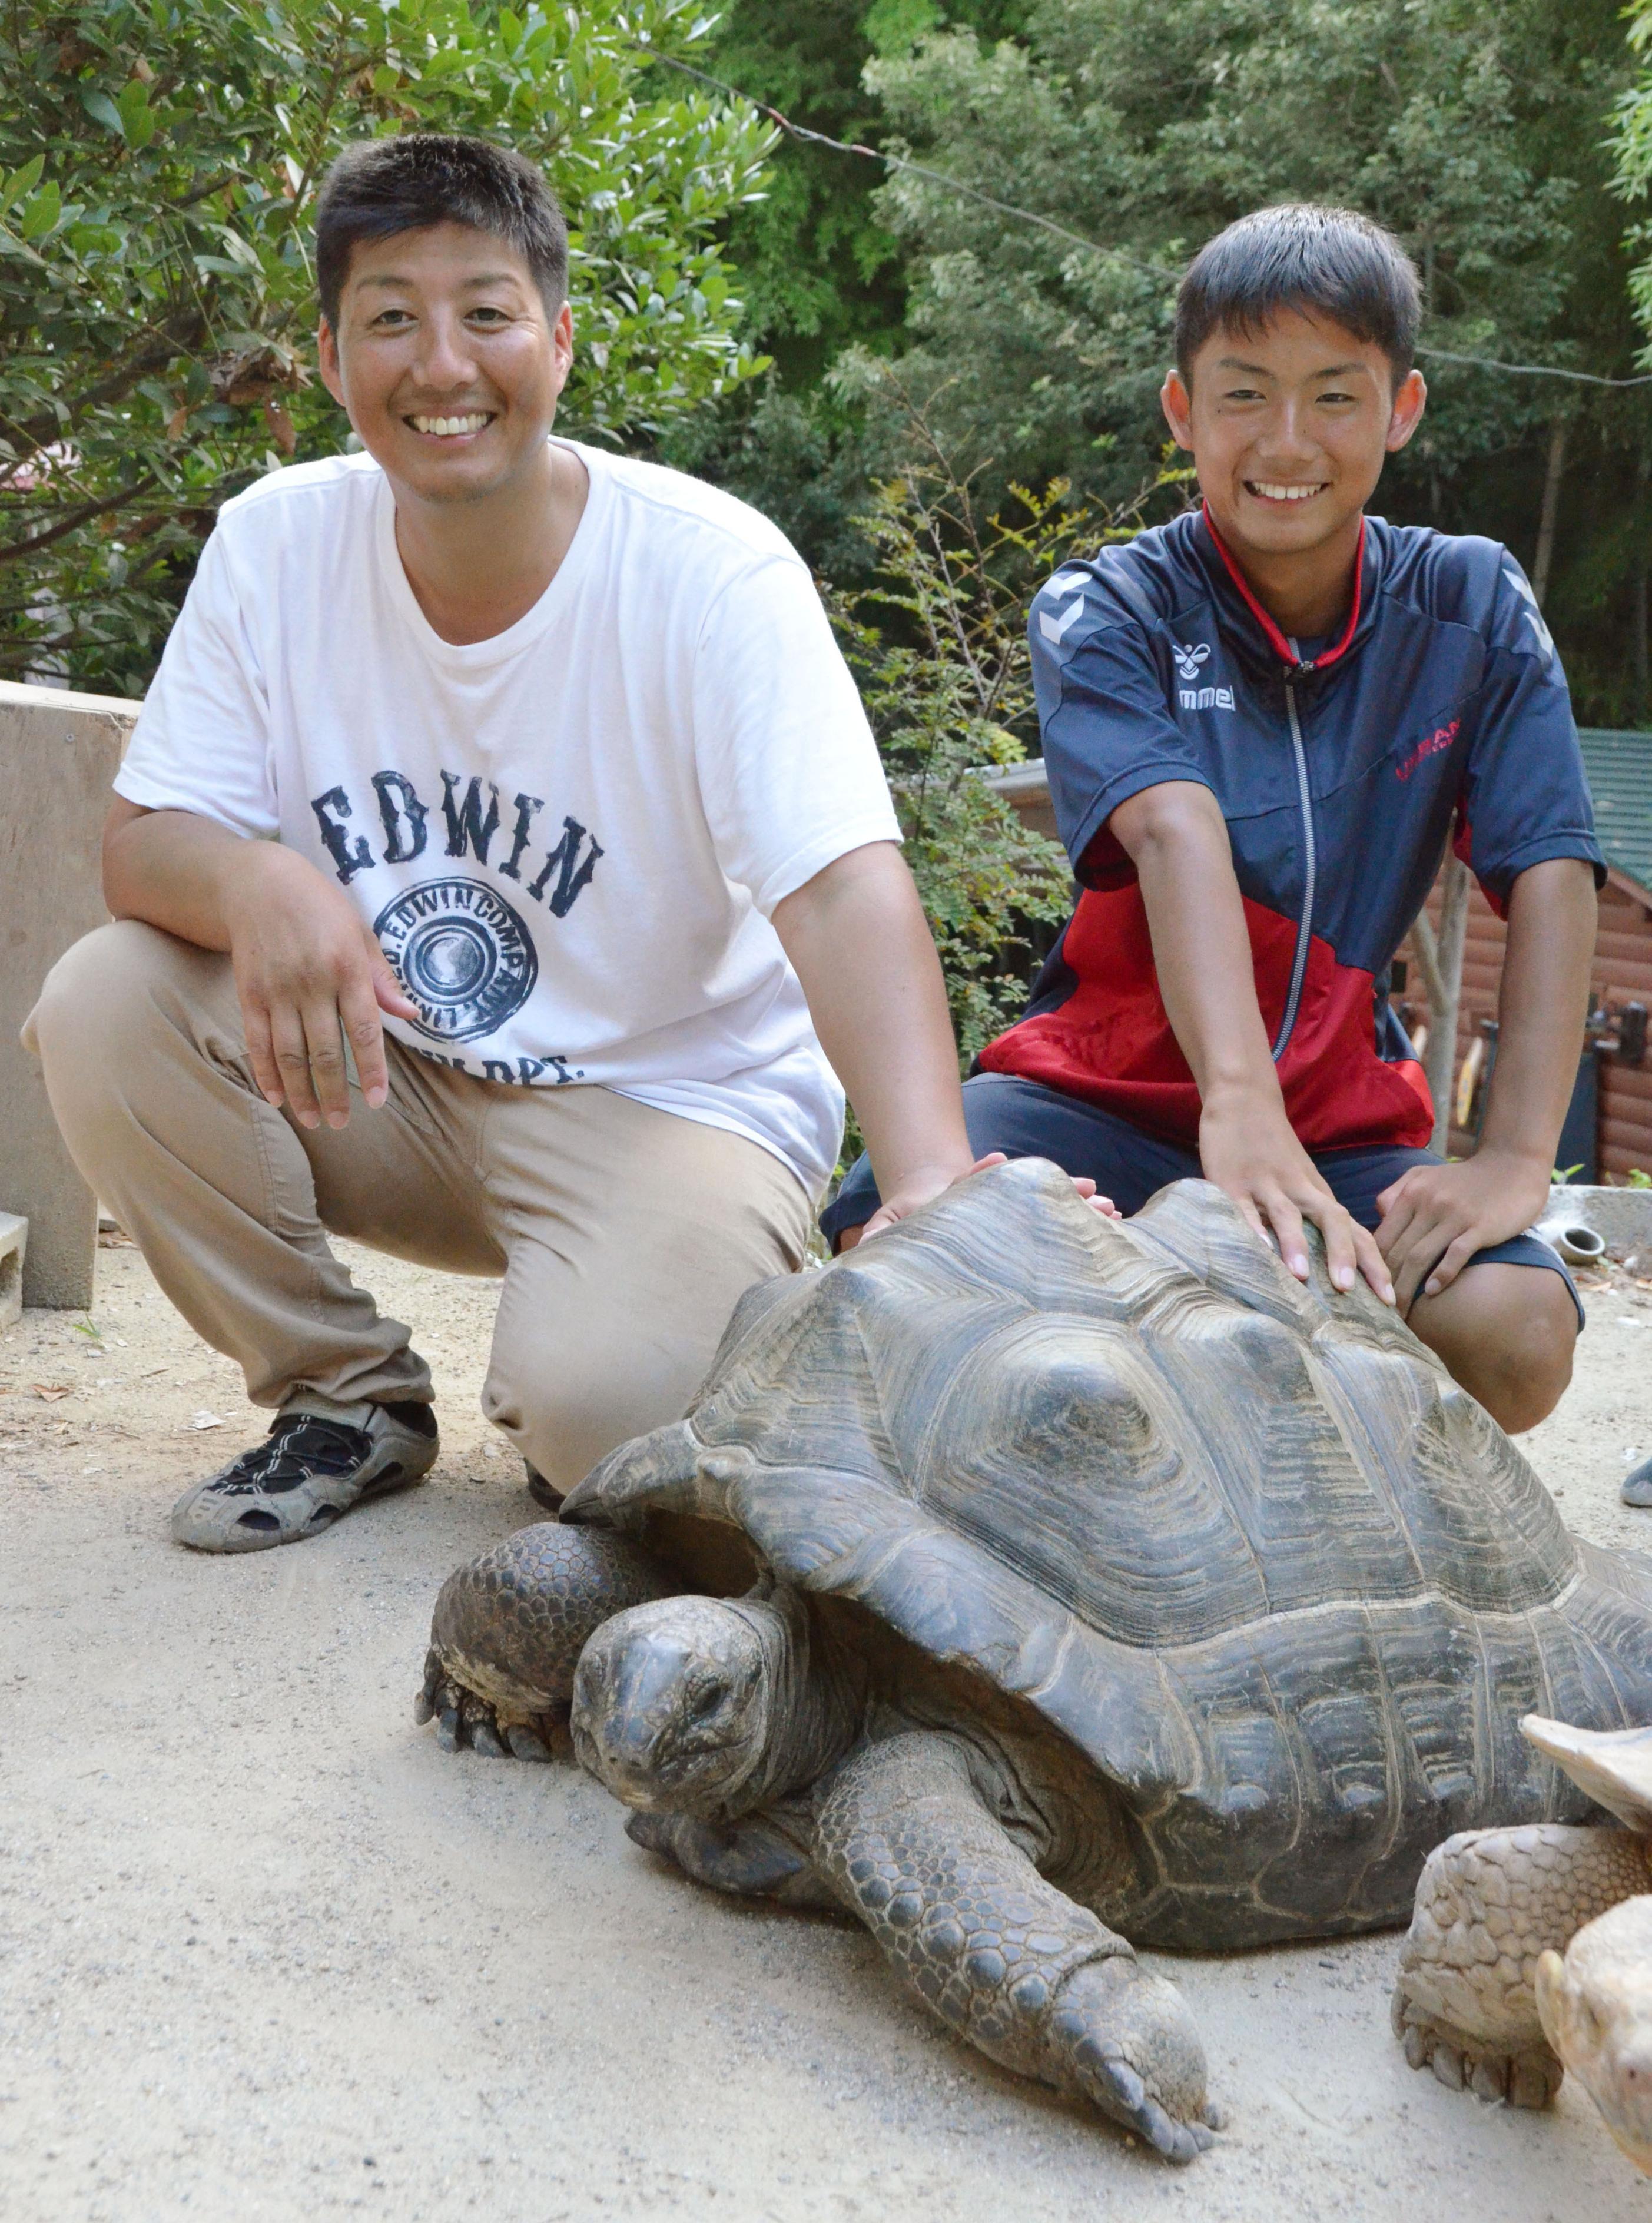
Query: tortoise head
x,y
1595,2005
1596,2009
674,1702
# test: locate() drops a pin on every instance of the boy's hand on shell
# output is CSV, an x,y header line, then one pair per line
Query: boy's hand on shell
x,y
1435,1218
1247,1147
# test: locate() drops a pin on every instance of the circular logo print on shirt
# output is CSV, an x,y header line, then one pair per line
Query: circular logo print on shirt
x,y
461,955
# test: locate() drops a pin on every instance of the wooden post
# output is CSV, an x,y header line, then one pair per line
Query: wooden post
x,y
1551,510
58,753
1637,628
1440,959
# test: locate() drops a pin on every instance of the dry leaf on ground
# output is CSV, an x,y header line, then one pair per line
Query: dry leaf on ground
x,y
51,1391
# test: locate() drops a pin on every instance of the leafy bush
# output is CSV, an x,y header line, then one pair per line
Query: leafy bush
x,y
159,163
939,648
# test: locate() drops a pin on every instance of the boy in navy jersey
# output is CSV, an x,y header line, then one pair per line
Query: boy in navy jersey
x,y
1263,722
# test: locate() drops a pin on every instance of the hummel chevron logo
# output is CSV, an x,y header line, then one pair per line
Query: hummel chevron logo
x,y
1534,615
1054,628
1189,657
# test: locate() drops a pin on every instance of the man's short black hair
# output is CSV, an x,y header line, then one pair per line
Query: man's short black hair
x,y
420,179
1330,262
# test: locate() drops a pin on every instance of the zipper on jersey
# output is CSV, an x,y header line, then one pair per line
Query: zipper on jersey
x,y
1305,926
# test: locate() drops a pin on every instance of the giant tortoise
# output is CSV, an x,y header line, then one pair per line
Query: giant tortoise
x,y
1062,1585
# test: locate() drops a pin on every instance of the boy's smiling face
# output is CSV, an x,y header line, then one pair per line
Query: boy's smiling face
x,y
1289,427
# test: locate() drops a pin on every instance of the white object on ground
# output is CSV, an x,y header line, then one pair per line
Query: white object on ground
x,y
1572,1236
13,1243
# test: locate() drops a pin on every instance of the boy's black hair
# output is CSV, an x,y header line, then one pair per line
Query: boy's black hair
x,y
1322,262
419,178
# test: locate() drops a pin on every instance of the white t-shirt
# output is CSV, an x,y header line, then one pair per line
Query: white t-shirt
x,y
569,839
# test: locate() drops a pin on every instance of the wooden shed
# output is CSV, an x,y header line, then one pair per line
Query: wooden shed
x,y
1620,776
1620,765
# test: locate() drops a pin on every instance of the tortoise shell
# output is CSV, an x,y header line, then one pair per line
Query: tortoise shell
x,y
1244,1543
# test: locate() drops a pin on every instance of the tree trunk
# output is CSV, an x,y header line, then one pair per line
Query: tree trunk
x,y
1637,606
1551,509
1441,958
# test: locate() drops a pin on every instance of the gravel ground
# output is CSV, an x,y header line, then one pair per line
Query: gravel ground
x,y
268,1954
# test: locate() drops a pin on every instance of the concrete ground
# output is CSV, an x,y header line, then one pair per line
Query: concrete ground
x,y
266,1953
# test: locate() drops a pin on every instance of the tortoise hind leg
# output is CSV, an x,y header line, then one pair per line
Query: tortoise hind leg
x,y
1489,1903
1037,1981
508,1630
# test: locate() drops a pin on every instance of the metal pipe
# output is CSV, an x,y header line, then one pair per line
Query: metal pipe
x,y
1577,1243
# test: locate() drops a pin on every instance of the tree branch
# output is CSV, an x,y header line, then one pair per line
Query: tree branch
x,y
182,336
72,520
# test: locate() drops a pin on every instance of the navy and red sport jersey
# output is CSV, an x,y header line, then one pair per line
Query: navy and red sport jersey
x,y
1341,768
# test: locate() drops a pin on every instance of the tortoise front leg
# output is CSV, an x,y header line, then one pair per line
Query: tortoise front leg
x,y
1489,1905
508,1630
1037,1981
757,1857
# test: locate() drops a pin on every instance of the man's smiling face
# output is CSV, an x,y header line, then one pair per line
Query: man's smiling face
x,y
1288,428
448,361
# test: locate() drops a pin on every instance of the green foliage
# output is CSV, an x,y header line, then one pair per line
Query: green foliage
x,y
939,648
820,267
159,163
817,267
821,270
1479,128
1631,147
1469,126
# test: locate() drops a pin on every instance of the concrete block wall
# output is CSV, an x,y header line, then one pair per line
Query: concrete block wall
x,y
58,754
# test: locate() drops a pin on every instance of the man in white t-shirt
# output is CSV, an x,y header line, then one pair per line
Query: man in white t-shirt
x,y
533,776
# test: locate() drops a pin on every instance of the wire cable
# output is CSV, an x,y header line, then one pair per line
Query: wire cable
x,y
919,169
1533,369
801,131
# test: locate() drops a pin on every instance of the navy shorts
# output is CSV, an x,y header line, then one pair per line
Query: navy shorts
x,y
1026,1120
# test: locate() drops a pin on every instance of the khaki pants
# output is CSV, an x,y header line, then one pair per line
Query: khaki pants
x,y
624,1235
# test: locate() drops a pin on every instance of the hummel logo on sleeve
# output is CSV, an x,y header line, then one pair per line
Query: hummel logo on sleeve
x,y
1189,657
1534,615
1054,628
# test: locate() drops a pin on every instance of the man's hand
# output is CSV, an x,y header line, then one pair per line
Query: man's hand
x,y
858,942
305,964
1435,1218
1246,1146
308,966
921,1188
